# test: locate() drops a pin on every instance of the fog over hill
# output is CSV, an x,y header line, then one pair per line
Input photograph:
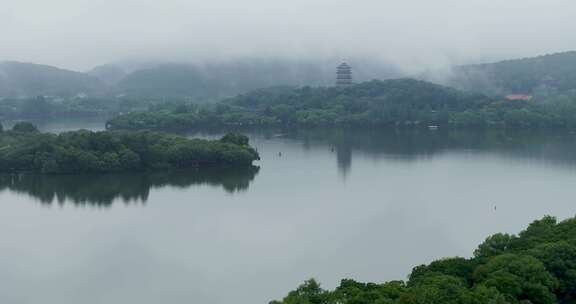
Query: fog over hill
x,y
109,74
414,34
198,81
214,80
225,79
541,75
27,80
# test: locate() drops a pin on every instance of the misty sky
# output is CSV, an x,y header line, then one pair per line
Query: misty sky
x,y
80,34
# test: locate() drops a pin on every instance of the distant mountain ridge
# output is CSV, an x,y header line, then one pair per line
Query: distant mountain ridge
x,y
541,75
19,79
109,74
226,79
209,81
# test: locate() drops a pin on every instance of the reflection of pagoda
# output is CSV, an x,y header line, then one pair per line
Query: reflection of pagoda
x,y
343,75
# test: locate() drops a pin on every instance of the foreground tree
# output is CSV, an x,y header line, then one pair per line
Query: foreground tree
x,y
537,266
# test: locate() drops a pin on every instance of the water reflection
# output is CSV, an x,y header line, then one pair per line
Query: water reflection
x,y
103,190
410,145
63,125
409,197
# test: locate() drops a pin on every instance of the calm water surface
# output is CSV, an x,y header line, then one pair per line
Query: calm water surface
x,y
335,204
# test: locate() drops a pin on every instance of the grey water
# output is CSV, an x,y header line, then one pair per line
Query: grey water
x,y
327,204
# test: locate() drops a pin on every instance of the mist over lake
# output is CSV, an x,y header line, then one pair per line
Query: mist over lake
x,y
325,203
287,152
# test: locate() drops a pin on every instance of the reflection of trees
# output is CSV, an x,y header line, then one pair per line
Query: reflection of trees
x,y
102,190
413,144
344,158
410,144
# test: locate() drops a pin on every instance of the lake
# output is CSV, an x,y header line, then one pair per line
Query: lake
x,y
327,204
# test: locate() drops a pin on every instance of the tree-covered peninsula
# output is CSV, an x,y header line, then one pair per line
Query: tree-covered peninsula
x,y
24,149
370,103
536,266
399,102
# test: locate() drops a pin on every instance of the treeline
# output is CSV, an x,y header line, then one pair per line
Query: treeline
x,y
536,266
41,107
24,149
400,102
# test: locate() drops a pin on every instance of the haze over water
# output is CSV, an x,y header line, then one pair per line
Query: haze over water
x,y
335,204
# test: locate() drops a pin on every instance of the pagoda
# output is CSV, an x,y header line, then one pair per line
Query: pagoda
x,y
343,75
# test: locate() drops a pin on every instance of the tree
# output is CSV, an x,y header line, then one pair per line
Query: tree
x,y
36,107
24,126
353,292
494,245
457,267
519,277
235,138
560,260
437,288
537,267
307,293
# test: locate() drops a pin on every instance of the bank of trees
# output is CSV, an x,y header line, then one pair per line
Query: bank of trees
x,y
24,149
537,266
400,102
41,107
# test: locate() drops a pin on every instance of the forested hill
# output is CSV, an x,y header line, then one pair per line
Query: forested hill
x,y
30,80
542,75
537,266
402,93
390,102
213,81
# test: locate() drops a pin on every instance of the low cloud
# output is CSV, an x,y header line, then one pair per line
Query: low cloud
x,y
416,34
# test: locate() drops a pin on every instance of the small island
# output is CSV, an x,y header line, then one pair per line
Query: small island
x,y
24,149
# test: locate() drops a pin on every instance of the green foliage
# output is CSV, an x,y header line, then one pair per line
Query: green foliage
x,y
437,289
494,245
235,138
390,102
24,126
560,259
457,267
74,107
399,102
518,278
351,291
307,293
537,266
85,151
